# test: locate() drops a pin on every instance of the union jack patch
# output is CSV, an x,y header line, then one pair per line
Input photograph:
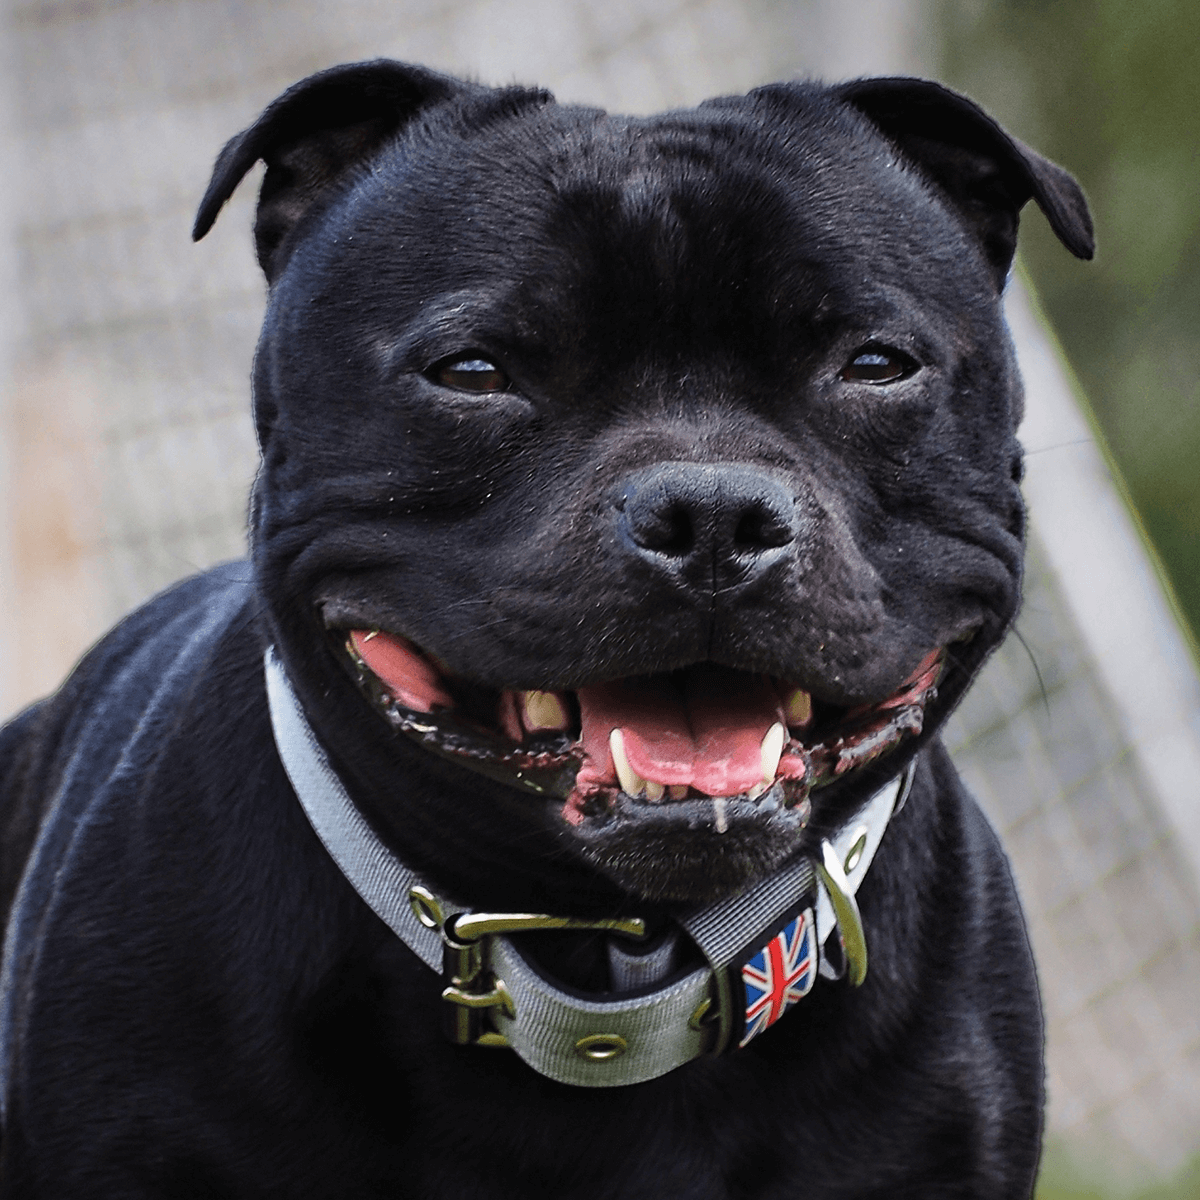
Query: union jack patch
x,y
781,973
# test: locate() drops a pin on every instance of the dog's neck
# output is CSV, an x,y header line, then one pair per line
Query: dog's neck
x,y
670,1001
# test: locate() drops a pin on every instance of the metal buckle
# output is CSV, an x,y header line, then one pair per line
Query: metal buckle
x,y
845,911
472,989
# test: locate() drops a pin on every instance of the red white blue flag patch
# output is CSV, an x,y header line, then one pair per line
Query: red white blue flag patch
x,y
781,973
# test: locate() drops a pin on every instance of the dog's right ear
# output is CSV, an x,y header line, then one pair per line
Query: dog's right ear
x,y
311,136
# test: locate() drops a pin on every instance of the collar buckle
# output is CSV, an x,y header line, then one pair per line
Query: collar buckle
x,y
471,988
471,991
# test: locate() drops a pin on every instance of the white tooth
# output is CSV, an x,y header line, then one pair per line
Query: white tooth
x,y
771,750
632,784
757,790
719,803
654,791
797,708
678,791
543,710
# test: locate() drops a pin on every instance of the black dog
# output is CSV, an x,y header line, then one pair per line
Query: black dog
x,y
638,496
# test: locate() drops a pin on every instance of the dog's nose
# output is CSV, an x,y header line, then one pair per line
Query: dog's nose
x,y
722,524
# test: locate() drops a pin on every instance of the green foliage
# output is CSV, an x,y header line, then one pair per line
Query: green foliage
x,y
1110,89
1064,1178
1185,1187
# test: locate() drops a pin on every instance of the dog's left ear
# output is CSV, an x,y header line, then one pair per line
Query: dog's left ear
x,y
311,136
987,174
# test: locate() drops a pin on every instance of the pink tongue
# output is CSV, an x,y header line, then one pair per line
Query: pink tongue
x,y
704,728
408,676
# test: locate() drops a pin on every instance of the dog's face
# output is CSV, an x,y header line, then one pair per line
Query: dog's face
x,y
661,470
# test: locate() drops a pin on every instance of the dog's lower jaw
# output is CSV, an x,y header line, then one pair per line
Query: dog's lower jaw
x,y
699,850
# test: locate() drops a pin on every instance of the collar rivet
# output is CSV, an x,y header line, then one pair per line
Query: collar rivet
x,y
601,1047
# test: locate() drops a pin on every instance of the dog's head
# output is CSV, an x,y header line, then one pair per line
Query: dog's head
x,y
657,475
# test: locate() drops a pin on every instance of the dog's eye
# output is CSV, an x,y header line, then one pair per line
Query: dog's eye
x,y
878,364
471,375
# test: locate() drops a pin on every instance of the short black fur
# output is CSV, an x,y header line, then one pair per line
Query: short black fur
x,y
681,470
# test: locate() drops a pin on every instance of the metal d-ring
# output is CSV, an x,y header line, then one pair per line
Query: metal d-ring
x,y
858,846
845,910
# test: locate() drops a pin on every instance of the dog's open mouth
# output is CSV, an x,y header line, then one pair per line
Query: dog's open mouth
x,y
706,733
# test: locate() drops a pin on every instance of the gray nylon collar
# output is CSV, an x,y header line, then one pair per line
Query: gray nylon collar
x,y
599,1041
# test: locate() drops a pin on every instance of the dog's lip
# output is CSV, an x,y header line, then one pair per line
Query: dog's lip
x,y
598,763
779,805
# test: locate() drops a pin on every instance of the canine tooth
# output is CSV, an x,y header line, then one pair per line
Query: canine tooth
x,y
632,784
797,708
719,803
771,750
654,791
543,710
757,790
678,791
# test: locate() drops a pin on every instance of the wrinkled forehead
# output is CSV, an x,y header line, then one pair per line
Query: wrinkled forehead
x,y
728,206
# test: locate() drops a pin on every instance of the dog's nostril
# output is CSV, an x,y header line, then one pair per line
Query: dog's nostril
x,y
761,528
668,530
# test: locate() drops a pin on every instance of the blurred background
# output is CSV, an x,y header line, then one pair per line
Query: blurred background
x,y
126,450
